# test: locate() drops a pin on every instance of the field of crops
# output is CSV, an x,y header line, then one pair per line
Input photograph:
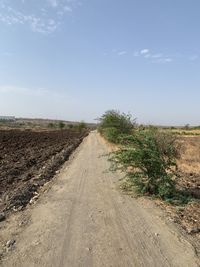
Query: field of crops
x,y
28,159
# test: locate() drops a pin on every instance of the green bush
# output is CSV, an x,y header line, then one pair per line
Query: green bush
x,y
61,125
82,125
149,159
113,123
51,125
111,134
70,126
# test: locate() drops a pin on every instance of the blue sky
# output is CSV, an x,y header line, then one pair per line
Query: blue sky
x,y
74,59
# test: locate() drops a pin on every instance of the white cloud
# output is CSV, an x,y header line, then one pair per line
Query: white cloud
x,y
122,53
67,8
53,3
156,56
46,19
163,60
144,51
168,59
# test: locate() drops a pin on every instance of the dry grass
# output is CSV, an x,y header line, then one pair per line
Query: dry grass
x,y
189,167
190,132
190,155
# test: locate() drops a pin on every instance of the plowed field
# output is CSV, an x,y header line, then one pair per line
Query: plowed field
x,y
28,159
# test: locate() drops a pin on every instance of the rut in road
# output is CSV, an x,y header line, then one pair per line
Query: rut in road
x,y
84,220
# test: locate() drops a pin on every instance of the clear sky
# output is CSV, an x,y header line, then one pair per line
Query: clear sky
x,y
74,59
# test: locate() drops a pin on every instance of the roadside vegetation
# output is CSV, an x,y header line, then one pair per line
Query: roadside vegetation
x,y
114,124
61,125
147,155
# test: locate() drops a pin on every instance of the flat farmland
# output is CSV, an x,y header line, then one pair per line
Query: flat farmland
x,y
28,159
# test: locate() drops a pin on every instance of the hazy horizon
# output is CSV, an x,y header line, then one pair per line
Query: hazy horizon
x,y
74,59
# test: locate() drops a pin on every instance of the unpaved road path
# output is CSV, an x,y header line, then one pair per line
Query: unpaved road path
x,y
84,220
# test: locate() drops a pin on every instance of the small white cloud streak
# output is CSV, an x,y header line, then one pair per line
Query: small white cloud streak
x,y
144,51
122,53
168,59
163,60
53,3
68,8
159,58
155,58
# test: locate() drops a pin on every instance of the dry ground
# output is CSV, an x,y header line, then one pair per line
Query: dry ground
x,y
84,220
189,168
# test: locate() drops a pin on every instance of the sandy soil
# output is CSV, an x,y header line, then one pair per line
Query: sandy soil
x,y
84,220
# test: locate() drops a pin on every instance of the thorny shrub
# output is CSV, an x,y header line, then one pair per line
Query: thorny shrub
x,y
149,159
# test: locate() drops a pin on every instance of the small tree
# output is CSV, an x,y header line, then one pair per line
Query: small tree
x,y
61,125
113,123
149,159
70,126
111,134
51,125
82,125
187,126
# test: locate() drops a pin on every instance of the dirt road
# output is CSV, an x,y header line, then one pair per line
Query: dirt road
x,y
84,220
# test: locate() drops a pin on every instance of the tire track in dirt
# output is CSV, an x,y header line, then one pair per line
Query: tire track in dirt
x,y
84,220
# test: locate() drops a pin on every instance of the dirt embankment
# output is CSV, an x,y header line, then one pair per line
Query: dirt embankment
x,y
28,160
